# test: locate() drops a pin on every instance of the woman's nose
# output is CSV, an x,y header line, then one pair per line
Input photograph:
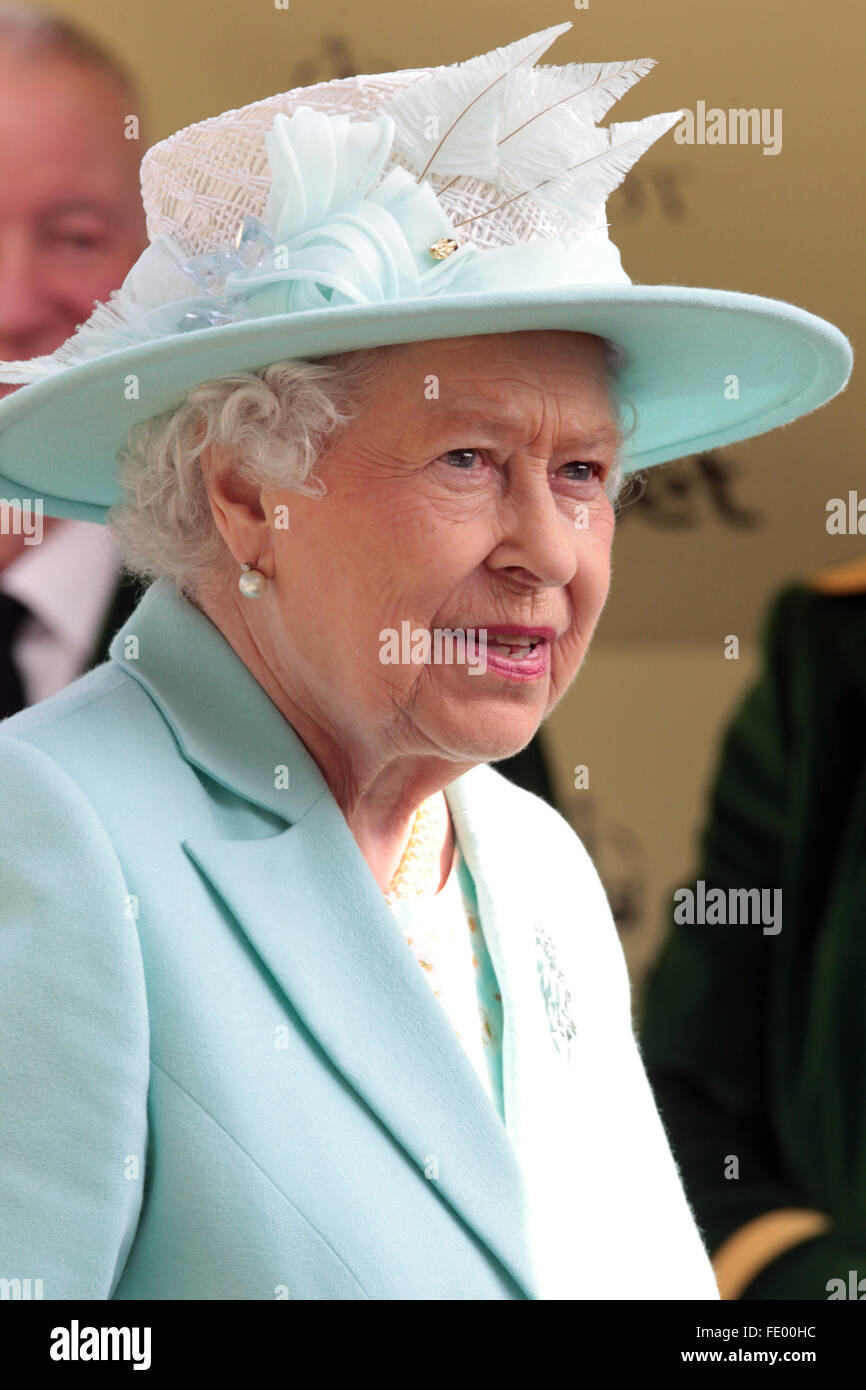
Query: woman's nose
x,y
539,532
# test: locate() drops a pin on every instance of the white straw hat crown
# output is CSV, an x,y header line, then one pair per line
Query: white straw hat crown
x,y
199,182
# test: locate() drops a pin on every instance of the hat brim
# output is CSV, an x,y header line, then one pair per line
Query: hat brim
x,y
703,368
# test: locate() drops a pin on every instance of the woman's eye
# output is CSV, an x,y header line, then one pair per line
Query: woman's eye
x,y
462,458
585,472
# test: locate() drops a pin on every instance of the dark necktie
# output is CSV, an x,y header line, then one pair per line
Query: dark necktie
x,y
12,615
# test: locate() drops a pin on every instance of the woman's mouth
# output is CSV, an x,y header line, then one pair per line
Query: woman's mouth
x,y
517,659
520,656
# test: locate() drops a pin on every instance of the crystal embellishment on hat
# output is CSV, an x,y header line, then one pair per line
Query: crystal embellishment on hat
x,y
211,270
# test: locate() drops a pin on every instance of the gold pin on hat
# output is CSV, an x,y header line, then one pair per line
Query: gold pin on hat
x,y
442,248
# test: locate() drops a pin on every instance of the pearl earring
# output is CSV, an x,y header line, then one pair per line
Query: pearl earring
x,y
252,582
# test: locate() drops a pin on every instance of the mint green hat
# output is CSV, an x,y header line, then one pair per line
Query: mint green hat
x,y
395,208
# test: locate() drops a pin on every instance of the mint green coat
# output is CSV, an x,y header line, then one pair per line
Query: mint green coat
x,y
224,1075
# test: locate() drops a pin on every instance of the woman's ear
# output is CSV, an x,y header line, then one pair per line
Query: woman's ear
x,y
236,505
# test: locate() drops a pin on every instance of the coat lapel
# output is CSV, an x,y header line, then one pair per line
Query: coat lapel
x,y
578,1196
518,900
608,1216
310,907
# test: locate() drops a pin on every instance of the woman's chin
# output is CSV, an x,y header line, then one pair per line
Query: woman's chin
x,y
487,737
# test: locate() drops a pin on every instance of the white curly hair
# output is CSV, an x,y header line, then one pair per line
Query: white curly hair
x,y
275,423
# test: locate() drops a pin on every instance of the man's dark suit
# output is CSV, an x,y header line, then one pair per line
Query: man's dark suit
x,y
528,769
127,596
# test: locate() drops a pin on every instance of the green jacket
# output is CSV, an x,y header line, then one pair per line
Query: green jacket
x,y
755,1043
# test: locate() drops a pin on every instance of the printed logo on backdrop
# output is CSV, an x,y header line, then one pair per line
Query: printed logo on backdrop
x,y
619,858
335,56
658,188
688,494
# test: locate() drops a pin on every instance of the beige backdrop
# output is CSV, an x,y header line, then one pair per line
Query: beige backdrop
x,y
700,556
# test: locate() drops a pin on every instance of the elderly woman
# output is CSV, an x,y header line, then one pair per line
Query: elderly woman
x,y
300,997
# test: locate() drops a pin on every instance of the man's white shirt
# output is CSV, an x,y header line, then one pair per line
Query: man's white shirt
x,y
67,582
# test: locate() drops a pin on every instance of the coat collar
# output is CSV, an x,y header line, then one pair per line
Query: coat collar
x,y
223,720
333,946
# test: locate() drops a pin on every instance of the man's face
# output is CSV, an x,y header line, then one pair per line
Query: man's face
x,y
71,221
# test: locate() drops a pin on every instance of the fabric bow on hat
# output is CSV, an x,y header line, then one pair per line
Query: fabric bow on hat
x,y
327,238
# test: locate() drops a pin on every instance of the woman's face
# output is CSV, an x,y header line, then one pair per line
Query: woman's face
x,y
468,493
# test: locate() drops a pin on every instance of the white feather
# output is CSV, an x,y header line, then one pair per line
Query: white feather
x,y
602,167
605,157
544,148
544,111
590,90
461,104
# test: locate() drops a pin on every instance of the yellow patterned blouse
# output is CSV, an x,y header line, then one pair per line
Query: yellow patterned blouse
x,y
444,932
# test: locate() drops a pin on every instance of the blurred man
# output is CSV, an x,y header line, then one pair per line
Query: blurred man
x,y
754,1036
71,225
